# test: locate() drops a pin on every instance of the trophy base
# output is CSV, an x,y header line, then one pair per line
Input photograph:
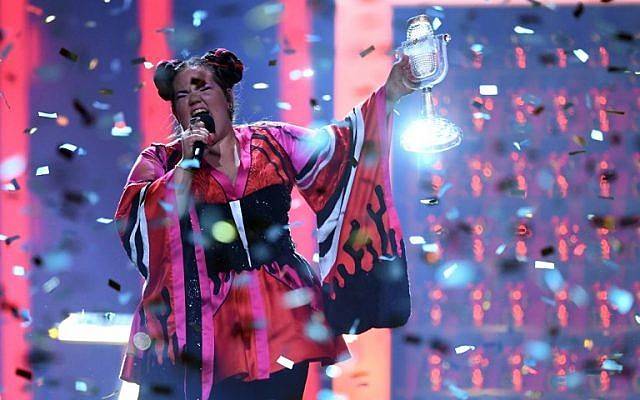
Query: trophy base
x,y
431,135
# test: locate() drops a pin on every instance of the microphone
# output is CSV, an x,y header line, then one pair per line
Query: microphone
x,y
423,55
210,125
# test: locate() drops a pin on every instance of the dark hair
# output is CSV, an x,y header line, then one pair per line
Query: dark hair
x,y
226,67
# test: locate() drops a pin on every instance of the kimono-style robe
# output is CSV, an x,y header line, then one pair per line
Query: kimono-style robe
x,y
225,293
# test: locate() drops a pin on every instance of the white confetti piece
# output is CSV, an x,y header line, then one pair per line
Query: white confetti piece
x,y
260,85
464,349
431,247
611,365
544,265
283,105
297,298
42,170
47,115
18,270
597,135
285,362
488,90
581,54
637,318
50,18
50,285
416,240
81,386
12,167
621,299
522,30
103,220
436,23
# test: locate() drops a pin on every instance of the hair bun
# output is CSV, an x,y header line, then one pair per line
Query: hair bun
x,y
227,65
163,77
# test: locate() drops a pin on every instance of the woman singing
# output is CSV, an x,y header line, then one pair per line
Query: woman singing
x,y
229,310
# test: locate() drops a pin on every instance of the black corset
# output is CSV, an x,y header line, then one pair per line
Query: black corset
x,y
265,215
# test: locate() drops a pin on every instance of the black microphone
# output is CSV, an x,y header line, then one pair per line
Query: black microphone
x,y
210,125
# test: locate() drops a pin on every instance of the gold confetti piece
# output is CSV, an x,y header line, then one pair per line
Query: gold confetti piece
x,y
579,140
68,54
367,51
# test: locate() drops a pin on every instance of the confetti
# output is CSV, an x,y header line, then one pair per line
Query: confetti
x,y
224,232
120,127
198,16
577,12
620,299
367,51
297,298
488,90
611,365
11,186
615,112
464,349
68,150
430,202
49,19
285,362
637,318
81,386
597,135
273,63
260,85
522,30
138,60
416,240
103,220
51,284
23,373
68,54
42,171
581,54
283,105
544,265
142,341
575,152
114,285
47,115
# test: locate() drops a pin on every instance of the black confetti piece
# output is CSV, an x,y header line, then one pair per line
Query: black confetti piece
x,y
412,339
24,373
114,285
573,153
88,119
139,60
273,62
547,251
68,54
616,112
577,12
615,69
11,239
367,51
538,110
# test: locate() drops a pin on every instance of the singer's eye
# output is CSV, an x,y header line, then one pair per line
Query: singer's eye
x,y
205,88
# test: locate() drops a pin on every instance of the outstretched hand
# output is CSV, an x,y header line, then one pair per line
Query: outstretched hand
x,y
396,89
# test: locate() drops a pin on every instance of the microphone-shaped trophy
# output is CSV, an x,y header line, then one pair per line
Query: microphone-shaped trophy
x,y
428,59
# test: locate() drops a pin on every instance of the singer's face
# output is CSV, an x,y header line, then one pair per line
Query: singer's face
x,y
196,90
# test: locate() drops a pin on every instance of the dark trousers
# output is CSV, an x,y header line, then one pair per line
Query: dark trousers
x,y
287,384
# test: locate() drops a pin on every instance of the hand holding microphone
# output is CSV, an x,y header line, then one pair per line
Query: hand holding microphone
x,y
194,139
